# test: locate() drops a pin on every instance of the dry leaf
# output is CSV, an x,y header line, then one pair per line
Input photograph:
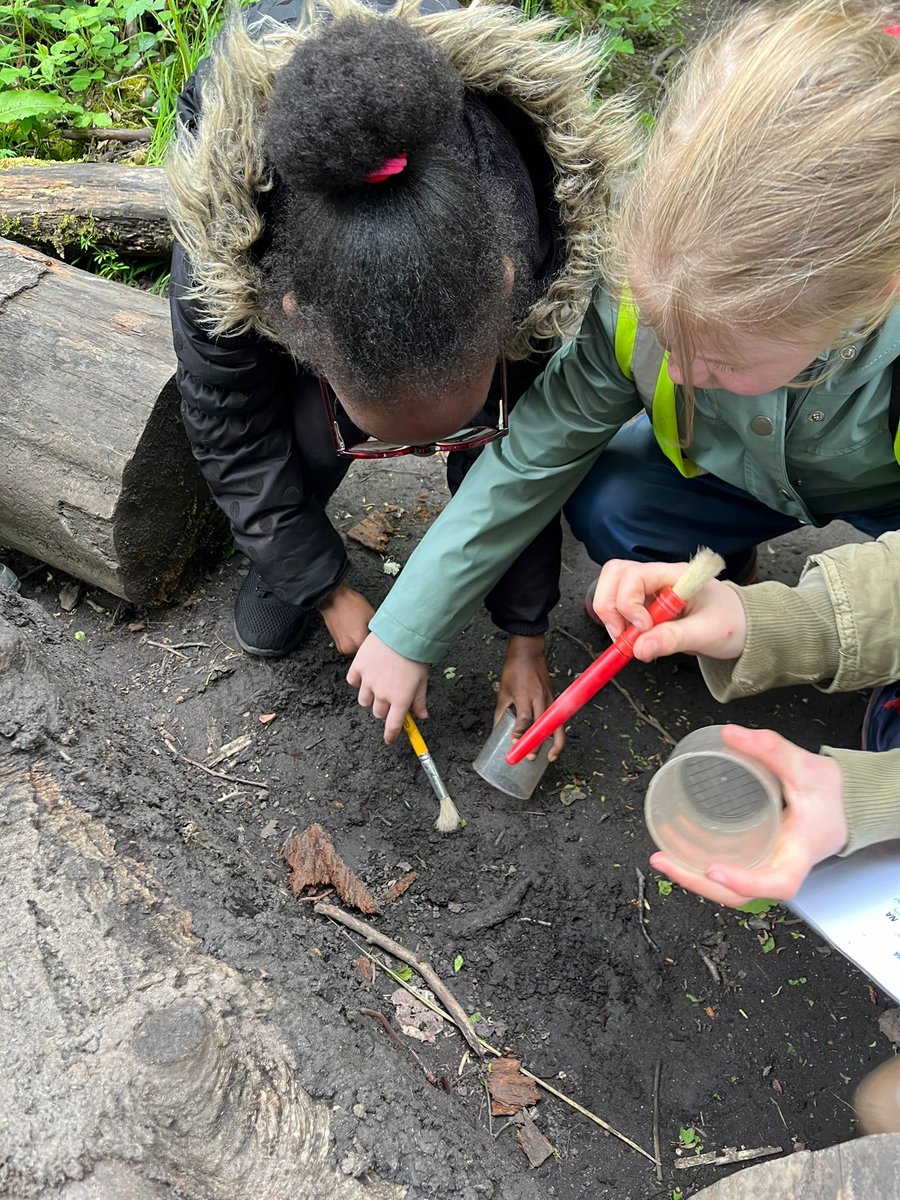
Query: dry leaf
x,y
365,969
136,626
777,1087
530,1140
313,860
510,1090
374,532
415,1018
398,888
873,995
710,1011
267,718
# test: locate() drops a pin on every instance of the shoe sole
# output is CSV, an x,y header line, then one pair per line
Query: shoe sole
x,y
259,652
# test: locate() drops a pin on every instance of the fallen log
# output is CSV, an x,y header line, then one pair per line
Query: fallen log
x,y
66,206
96,474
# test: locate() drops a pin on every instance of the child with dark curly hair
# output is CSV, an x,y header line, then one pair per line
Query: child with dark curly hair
x,y
384,225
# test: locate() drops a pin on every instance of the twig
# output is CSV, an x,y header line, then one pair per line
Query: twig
x,y
487,1092
710,965
185,645
395,1037
658,62
642,883
105,135
162,646
453,1006
541,1083
254,783
724,1158
657,1076
641,712
490,915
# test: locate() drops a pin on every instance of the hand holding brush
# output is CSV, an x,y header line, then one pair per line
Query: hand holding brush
x,y
669,604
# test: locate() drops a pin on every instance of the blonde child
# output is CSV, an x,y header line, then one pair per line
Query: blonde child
x,y
759,243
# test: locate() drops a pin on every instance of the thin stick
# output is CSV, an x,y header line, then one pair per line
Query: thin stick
x,y
163,646
255,783
395,1037
453,1006
648,718
710,965
726,1157
642,884
541,1083
105,135
657,1076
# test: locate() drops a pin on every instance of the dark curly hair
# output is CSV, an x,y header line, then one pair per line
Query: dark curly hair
x,y
401,285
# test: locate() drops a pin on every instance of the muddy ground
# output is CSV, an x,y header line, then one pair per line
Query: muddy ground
x,y
529,912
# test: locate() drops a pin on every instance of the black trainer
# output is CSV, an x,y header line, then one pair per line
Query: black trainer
x,y
264,625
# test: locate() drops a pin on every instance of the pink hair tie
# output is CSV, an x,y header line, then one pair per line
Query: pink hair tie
x,y
893,30
391,166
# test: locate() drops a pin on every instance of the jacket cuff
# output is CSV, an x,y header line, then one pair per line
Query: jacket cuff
x,y
408,642
792,638
523,628
871,795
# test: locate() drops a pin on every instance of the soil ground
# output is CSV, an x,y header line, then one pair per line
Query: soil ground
x,y
767,1052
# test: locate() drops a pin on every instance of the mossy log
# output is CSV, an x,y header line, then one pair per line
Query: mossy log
x,y
72,206
96,474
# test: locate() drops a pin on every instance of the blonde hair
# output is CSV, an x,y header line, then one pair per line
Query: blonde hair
x,y
768,200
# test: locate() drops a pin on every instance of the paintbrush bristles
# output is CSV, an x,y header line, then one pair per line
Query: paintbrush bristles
x,y
448,817
704,566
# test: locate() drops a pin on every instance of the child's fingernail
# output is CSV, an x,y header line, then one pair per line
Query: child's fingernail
x,y
716,876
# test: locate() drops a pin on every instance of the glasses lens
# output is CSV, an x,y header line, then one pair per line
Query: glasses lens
x,y
375,449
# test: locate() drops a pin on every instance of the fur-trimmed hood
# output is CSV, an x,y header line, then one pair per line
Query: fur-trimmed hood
x,y
216,172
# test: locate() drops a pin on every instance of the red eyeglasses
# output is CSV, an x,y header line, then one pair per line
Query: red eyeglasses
x,y
469,438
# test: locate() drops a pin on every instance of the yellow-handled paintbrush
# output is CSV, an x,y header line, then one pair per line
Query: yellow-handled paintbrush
x,y
448,817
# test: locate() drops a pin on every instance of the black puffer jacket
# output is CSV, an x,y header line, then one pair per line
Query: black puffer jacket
x,y
256,423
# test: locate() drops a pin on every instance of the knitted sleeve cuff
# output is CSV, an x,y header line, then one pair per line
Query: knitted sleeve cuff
x,y
792,638
871,795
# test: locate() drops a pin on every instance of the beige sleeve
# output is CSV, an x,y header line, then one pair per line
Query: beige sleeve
x,y
838,629
871,795
792,638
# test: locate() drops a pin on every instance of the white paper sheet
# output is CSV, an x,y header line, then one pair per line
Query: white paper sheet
x,y
854,903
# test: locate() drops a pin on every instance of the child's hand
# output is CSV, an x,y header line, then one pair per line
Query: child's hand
x,y
389,684
525,684
814,825
713,623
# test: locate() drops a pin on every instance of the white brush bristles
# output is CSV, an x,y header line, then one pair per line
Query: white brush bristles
x,y
704,566
448,817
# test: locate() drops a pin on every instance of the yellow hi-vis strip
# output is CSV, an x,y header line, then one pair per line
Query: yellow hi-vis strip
x,y
897,445
665,421
664,408
626,331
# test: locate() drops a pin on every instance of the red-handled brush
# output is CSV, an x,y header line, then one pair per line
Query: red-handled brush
x,y
670,603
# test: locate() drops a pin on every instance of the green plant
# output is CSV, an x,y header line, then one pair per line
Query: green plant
x,y
626,21
94,63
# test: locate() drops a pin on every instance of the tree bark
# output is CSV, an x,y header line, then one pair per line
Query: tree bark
x,y
96,474
134,1064
66,206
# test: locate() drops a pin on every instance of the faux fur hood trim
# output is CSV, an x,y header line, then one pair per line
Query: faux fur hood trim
x,y
216,173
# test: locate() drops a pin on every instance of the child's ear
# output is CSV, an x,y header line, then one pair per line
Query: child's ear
x,y
891,290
